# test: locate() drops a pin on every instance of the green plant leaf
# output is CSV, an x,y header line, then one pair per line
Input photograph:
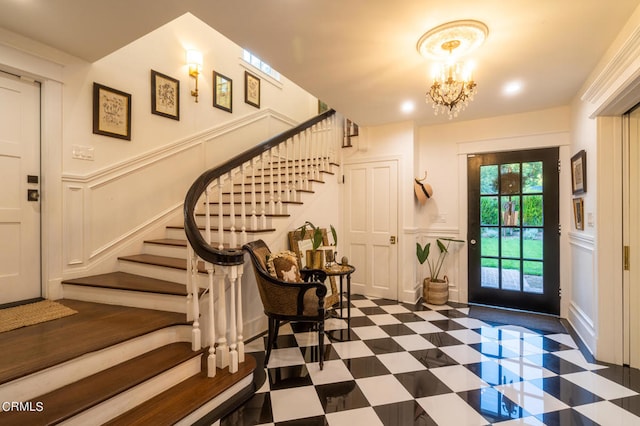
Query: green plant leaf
x,y
334,234
422,252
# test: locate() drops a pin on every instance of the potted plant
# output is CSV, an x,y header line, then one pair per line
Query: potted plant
x,y
314,257
435,290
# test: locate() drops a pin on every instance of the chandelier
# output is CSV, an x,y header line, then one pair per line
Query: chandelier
x,y
453,86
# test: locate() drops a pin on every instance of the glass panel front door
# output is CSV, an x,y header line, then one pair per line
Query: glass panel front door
x,y
513,230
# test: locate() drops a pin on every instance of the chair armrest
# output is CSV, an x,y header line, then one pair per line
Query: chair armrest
x,y
313,275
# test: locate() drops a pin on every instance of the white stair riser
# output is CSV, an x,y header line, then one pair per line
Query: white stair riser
x,y
237,222
41,382
226,208
166,250
226,197
134,299
129,399
153,271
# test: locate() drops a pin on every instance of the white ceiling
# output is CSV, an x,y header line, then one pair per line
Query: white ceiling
x,y
360,56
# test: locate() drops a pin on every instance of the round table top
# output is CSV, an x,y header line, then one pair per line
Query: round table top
x,y
339,269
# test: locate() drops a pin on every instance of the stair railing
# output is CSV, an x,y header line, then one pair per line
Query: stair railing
x,y
244,191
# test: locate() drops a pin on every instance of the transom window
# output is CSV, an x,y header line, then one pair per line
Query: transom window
x,y
252,59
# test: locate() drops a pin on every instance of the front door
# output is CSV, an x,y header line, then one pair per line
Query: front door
x,y
371,224
513,230
19,185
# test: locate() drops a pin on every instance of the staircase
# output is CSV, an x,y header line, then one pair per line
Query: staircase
x,y
185,362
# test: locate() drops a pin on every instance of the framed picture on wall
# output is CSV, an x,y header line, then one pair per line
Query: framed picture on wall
x,y
222,92
578,213
579,172
251,89
165,95
111,112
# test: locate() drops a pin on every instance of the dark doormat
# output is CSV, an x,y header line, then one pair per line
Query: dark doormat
x,y
528,320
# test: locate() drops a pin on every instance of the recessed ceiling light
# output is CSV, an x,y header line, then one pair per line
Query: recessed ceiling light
x,y
512,88
408,107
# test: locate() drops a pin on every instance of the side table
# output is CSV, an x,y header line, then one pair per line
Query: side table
x,y
339,270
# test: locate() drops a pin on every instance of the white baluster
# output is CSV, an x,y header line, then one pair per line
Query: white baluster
x,y
254,212
243,206
222,350
211,359
232,213
233,348
272,200
279,180
196,338
220,215
190,256
263,189
240,319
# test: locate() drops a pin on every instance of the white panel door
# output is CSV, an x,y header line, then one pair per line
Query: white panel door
x,y
19,218
632,277
371,225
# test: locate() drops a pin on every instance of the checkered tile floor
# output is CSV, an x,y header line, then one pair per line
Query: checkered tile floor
x,y
428,365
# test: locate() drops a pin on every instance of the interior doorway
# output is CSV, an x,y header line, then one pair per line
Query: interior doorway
x,y
513,230
20,251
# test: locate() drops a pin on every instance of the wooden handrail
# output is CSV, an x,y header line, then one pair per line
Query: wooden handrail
x,y
231,256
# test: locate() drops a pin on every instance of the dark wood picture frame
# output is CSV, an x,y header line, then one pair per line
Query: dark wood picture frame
x,y
165,95
251,89
579,172
322,107
222,92
297,245
111,112
578,213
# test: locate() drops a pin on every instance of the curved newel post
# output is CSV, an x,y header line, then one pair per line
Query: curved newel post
x,y
239,317
192,289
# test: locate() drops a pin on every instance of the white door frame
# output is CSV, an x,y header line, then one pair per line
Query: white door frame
x,y
400,203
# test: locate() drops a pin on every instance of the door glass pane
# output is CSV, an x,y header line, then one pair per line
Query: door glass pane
x,y
489,273
489,211
510,178
510,212
511,275
532,240
532,277
532,212
510,243
532,177
488,180
489,242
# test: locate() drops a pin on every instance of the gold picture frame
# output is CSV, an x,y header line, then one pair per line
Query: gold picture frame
x,y
251,89
165,95
579,173
111,112
578,213
222,92
299,246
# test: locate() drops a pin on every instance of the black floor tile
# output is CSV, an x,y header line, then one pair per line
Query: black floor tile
x,y
631,404
433,358
568,417
493,373
493,405
341,396
408,317
448,325
288,377
554,363
308,421
441,339
405,413
397,329
361,322
383,346
422,383
494,350
253,412
365,367
566,391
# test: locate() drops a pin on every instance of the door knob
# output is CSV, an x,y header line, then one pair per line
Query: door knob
x,y
472,242
33,195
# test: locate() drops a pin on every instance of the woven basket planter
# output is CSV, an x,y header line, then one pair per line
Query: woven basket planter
x,y
435,292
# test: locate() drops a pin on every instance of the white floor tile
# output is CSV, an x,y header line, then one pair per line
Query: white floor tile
x,y
285,357
464,354
565,339
423,327
334,324
470,322
444,307
531,398
295,403
363,303
384,319
256,345
458,378
599,385
430,315
369,332
334,371
382,390
413,342
526,421
400,362
467,336
395,309
358,417
606,413
522,348
348,350
309,338
525,369
464,310
451,410
576,357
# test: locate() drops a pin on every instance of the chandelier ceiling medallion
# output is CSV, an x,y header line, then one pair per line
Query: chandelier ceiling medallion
x,y
453,86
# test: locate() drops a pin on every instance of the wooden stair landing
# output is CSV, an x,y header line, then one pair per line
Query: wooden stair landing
x,y
96,326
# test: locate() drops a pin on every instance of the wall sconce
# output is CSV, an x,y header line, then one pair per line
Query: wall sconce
x,y
194,60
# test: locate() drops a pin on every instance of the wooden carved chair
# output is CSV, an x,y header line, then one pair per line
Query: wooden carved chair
x,y
287,296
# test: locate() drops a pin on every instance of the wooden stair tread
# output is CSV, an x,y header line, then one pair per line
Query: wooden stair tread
x,y
226,203
44,345
165,261
168,242
184,398
72,399
247,215
130,282
248,231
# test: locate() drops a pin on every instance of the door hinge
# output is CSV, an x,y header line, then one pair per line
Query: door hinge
x,y
559,166
559,229
342,178
625,254
560,293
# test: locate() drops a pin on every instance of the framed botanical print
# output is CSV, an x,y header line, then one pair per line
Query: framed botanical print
x,y
578,213
165,95
222,92
111,112
251,89
579,172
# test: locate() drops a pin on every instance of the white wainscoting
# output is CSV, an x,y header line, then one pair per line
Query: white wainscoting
x,y
451,267
583,307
